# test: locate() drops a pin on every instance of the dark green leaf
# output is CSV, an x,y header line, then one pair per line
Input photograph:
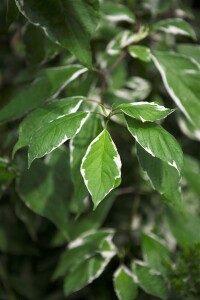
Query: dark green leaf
x,y
47,85
44,191
66,22
181,77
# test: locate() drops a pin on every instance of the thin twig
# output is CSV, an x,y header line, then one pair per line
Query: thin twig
x,y
105,75
126,190
114,65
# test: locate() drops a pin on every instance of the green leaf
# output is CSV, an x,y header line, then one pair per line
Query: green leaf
x,y
116,12
47,85
125,284
145,111
66,22
190,50
155,252
181,77
175,26
82,248
140,52
150,281
85,273
45,192
78,147
124,39
54,134
157,142
101,167
163,178
44,115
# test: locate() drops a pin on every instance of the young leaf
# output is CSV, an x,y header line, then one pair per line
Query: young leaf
x,y
175,26
125,284
140,52
47,85
43,190
101,167
115,12
163,177
46,114
145,111
80,15
54,134
157,142
78,147
181,77
150,281
155,252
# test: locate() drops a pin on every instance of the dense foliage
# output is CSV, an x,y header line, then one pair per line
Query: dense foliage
x,y
99,156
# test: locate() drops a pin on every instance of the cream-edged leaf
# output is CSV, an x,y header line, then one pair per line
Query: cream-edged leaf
x,y
175,26
125,284
145,111
181,76
150,280
54,134
157,141
101,167
44,115
163,178
115,12
124,39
